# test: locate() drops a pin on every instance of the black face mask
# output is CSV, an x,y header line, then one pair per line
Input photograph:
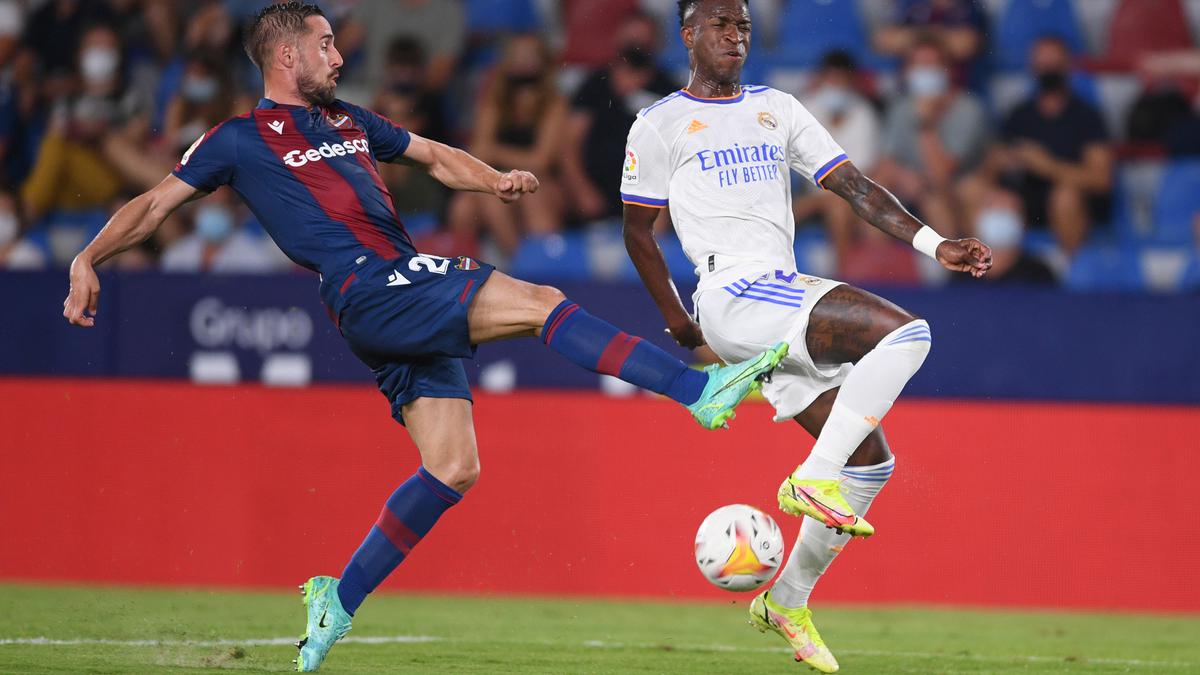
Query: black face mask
x,y
519,81
636,56
1052,82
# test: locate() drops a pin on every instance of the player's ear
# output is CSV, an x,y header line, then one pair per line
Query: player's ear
x,y
285,54
688,33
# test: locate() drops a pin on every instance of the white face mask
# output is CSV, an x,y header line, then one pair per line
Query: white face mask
x,y
213,223
1000,228
835,99
11,20
927,81
99,63
8,227
200,89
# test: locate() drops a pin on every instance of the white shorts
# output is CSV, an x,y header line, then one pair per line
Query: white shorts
x,y
758,309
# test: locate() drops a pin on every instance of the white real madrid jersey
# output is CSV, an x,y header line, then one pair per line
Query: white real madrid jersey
x,y
721,166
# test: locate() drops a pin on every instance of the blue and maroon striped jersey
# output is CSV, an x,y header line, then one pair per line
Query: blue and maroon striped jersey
x,y
309,175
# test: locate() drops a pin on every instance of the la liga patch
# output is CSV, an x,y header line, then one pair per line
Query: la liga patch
x,y
630,170
466,264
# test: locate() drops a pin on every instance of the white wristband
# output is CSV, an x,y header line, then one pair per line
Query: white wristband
x,y
926,241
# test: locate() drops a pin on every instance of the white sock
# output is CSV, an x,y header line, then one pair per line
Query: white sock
x,y
817,545
865,397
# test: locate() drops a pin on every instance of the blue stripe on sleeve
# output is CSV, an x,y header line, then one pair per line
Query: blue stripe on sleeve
x,y
644,201
829,166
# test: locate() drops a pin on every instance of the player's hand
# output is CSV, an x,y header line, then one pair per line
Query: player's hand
x,y
687,334
965,255
80,306
513,184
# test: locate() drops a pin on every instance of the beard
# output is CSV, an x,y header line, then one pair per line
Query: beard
x,y
315,92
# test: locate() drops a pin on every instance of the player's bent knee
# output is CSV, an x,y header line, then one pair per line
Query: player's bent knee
x,y
914,336
549,297
458,474
543,301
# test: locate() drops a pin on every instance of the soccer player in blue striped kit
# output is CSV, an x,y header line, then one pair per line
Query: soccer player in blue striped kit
x,y
305,164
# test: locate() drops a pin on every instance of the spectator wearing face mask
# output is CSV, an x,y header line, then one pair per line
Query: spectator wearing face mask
x,y
1053,155
519,123
202,101
852,120
1001,224
605,106
933,135
71,171
438,26
218,244
960,26
406,74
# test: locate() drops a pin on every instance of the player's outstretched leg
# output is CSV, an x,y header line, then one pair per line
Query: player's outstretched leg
x,y
507,307
887,346
443,432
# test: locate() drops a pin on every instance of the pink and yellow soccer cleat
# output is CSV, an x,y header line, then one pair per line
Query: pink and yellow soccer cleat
x,y
822,500
795,626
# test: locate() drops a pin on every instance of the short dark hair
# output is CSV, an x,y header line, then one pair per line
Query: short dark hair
x,y
839,59
929,41
284,21
405,51
686,7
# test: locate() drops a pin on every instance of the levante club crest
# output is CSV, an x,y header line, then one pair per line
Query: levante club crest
x,y
465,263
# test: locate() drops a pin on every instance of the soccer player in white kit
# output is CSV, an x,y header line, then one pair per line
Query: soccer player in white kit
x,y
717,154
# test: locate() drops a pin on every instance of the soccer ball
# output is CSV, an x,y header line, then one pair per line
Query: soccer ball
x,y
738,548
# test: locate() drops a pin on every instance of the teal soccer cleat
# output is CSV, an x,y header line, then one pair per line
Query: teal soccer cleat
x,y
327,622
729,385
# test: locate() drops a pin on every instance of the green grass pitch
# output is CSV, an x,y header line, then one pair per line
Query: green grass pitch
x,y
107,630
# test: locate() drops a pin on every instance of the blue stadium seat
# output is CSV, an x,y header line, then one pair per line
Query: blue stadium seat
x,y
501,16
1098,267
812,250
1126,226
1024,21
674,57
1177,205
1039,243
680,268
812,28
552,258
420,223
1191,276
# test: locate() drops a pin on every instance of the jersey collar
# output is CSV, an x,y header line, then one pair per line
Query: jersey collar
x,y
722,100
267,104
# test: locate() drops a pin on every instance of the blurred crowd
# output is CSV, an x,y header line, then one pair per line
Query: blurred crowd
x,y
1062,132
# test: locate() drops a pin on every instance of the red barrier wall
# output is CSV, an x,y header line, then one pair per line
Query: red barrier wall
x,y
1022,504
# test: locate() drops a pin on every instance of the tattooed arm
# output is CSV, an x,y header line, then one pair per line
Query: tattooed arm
x,y
880,208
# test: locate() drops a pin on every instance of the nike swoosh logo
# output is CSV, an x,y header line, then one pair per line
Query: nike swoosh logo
x,y
746,373
781,623
824,507
321,623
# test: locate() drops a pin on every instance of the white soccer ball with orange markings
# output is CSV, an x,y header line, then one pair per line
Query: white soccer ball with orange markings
x,y
739,548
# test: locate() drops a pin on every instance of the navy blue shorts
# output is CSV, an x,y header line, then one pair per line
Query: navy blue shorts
x,y
407,320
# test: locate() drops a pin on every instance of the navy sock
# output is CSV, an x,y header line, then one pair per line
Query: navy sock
x,y
598,346
407,516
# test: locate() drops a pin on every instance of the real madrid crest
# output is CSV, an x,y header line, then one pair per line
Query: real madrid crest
x,y
768,121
